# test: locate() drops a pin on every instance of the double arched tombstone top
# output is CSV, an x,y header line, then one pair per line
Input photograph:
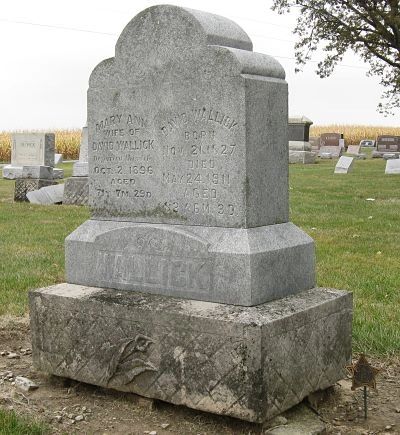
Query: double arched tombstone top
x,y
165,34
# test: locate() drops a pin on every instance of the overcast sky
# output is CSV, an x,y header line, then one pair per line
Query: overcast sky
x,y
44,70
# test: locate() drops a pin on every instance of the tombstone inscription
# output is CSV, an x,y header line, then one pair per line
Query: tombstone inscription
x,y
187,113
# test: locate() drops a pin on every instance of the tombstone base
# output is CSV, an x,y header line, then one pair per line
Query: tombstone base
x,y
304,157
25,185
381,154
11,172
238,266
76,191
251,363
335,151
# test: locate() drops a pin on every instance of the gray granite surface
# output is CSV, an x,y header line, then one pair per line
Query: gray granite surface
x,y
76,191
251,363
392,166
187,125
32,149
344,165
47,195
25,185
229,265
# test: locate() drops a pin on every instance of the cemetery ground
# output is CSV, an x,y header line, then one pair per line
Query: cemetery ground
x,y
353,219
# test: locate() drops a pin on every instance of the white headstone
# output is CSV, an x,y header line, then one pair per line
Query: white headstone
x,y
47,195
353,149
32,149
344,165
392,166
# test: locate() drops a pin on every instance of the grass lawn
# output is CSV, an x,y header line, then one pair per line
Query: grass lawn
x,y
357,242
12,424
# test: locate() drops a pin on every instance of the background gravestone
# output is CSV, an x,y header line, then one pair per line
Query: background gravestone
x,y
188,173
344,165
32,162
392,166
386,144
331,143
315,143
76,191
299,145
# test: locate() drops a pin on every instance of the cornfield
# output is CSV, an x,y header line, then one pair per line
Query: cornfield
x,y
67,144
67,141
353,134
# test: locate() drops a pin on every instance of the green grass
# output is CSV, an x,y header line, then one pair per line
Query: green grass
x,y
32,245
357,243
12,424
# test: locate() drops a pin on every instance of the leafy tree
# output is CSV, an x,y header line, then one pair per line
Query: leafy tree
x,y
371,28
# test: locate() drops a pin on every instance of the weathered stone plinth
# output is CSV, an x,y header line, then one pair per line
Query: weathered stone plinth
x,y
252,363
240,266
11,172
76,191
304,157
25,185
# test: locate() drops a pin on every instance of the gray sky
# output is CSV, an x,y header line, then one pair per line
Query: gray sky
x,y
44,70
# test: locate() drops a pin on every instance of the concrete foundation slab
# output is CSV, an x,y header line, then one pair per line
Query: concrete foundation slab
x,y
251,363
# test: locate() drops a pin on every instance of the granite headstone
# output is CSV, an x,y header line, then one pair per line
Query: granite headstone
x,y
299,145
392,166
184,158
331,143
315,143
32,162
386,144
188,172
344,165
353,149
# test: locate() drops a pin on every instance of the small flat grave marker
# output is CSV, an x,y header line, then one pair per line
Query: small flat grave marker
x,y
344,165
392,166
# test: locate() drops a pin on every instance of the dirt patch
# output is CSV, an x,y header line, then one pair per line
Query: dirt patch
x,y
75,408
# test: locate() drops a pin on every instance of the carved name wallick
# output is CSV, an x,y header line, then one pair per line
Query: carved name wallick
x,y
154,271
156,259
169,165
